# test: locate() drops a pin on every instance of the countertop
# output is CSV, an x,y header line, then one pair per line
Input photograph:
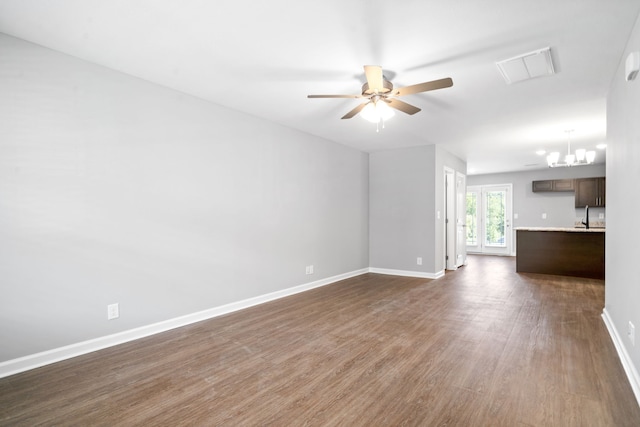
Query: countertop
x,y
566,229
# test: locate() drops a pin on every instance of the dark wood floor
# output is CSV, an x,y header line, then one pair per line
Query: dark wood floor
x,y
482,346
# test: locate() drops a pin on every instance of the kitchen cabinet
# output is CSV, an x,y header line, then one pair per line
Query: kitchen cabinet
x,y
553,185
565,252
590,191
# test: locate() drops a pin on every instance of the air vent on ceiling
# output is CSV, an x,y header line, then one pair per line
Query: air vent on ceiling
x,y
527,66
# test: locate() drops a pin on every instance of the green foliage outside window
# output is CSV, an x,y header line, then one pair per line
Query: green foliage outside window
x,y
472,227
495,214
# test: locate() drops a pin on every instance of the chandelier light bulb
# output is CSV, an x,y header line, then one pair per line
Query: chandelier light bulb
x,y
553,158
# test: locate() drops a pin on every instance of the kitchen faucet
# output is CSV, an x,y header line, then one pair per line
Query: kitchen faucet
x,y
586,217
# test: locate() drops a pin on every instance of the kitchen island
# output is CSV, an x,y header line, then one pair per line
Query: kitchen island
x,y
577,252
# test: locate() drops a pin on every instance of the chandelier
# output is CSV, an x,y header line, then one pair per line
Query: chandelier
x,y
580,158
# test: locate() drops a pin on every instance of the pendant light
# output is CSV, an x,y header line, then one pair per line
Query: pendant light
x,y
580,158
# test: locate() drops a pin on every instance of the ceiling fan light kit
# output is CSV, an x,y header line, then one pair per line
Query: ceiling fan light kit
x,y
580,158
376,111
381,96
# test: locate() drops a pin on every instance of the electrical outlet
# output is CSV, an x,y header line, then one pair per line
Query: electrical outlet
x,y
600,216
544,216
113,311
419,260
515,216
631,333
309,269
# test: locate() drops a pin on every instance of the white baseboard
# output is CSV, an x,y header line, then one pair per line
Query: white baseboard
x,y
37,360
627,363
407,273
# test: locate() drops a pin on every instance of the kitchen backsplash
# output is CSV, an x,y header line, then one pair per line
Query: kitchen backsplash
x,y
593,224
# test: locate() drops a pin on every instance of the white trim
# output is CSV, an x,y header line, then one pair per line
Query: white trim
x,y
448,222
36,360
407,273
627,363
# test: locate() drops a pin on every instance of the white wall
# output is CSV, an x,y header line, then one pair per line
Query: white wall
x,y
113,189
622,292
559,207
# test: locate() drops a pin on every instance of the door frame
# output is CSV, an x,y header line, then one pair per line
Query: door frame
x,y
455,193
449,219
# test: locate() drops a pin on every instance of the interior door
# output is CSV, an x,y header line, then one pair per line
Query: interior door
x,y
461,219
489,219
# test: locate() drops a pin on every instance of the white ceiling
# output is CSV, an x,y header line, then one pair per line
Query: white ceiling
x,y
264,57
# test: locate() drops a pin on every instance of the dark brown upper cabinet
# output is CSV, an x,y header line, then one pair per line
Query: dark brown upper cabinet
x,y
553,185
590,191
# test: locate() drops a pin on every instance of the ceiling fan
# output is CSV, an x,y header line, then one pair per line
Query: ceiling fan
x,y
380,93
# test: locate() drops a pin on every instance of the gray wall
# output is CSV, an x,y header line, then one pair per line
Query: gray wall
x,y
443,158
113,189
406,192
401,198
559,207
622,292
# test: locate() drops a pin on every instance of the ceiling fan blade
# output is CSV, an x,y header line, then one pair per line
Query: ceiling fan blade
x,y
424,87
402,106
355,111
334,96
374,78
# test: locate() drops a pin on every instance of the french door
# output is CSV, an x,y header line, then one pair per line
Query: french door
x,y
489,219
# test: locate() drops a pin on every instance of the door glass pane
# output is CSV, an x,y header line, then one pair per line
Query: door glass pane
x,y
472,227
495,218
